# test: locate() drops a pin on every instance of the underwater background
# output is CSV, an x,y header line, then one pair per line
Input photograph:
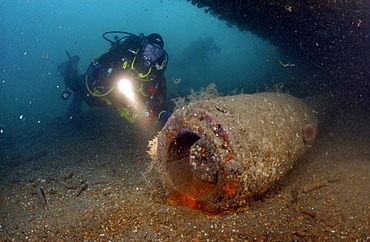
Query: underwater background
x,y
91,178
36,34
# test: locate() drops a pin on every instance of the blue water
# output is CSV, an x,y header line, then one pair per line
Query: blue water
x,y
36,33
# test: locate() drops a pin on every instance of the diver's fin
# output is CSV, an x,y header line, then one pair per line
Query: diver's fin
x,y
67,53
68,65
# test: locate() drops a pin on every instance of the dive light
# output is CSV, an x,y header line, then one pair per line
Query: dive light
x,y
126,88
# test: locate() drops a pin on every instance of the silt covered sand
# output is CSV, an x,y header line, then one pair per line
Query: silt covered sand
x,y
93,176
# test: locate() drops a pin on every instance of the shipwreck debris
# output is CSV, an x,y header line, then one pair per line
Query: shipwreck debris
x,y
216,155
81,188
40,195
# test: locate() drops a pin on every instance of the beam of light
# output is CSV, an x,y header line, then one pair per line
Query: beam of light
x,y
125,86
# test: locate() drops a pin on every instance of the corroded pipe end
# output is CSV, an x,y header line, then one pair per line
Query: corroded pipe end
x,y
190,149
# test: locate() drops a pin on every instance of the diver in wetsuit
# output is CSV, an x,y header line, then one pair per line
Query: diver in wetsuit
x,y
129,77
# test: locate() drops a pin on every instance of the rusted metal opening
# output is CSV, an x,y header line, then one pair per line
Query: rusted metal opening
x,y
180,173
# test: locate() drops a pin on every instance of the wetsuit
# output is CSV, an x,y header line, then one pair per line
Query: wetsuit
x,y
99,85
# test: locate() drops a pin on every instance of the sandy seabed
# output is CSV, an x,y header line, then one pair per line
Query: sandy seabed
x,y
92,175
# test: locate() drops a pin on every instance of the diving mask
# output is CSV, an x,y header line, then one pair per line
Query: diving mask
x,y
152,51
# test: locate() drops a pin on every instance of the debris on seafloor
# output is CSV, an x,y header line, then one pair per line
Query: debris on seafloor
x,y
68,176
217,155
313,186
40,195
81,188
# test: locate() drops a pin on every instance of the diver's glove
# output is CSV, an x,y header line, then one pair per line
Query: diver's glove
x,y
163,116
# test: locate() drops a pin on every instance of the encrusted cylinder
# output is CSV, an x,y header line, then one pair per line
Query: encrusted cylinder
x,y
217,155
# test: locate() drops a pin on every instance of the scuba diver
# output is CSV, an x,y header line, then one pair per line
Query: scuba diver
x,y
129,77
